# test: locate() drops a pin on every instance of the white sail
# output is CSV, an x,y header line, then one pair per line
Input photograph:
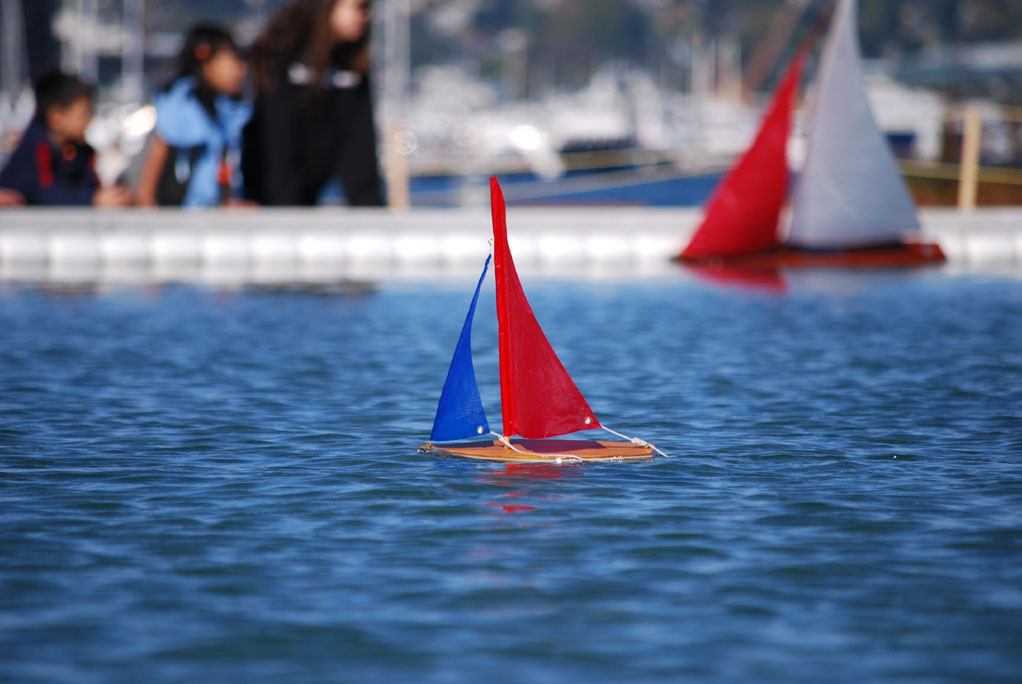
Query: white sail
x,y
850,193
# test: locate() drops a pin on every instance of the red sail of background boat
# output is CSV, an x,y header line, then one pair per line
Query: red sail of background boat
x,y
744,211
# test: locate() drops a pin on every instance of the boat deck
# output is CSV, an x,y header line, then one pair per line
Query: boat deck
x,y
552,451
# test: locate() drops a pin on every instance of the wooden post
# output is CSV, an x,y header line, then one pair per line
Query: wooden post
x,y
968,175
396,169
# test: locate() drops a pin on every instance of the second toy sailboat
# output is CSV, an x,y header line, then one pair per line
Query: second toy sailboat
x,y
851,207
539,399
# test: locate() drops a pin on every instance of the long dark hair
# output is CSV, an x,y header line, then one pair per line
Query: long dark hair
x,y
302,30
202,42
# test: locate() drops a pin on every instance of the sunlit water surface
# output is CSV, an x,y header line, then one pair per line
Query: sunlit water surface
x,y
200,485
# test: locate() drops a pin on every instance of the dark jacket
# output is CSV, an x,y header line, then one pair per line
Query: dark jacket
x,y
47,174
300,136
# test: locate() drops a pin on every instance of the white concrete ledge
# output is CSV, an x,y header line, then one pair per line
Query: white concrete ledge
x,y
333,243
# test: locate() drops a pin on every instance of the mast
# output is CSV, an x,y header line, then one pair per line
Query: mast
x,y
396,77
80,25
11,78
133,50
769,50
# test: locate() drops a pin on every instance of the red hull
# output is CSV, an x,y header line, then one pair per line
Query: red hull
x,y
892,256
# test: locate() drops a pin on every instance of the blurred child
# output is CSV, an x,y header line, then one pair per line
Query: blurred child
x,y
313,114
194,154
53,164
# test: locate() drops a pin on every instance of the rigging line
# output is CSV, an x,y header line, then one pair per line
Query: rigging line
x,y
507,442
634,440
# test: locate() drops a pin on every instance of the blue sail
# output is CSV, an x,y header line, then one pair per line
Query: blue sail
x,y
460,412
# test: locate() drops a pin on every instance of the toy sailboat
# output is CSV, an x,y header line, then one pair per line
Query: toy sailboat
x,y
851,207
539,400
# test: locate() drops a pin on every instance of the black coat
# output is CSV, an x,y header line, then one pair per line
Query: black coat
x,y
300,136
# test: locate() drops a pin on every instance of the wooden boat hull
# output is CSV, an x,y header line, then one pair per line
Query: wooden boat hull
x,y
907,255
551,451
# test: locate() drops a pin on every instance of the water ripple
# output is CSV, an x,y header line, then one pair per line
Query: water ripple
x,y
223,486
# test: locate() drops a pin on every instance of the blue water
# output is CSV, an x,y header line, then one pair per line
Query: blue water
x,y
203,485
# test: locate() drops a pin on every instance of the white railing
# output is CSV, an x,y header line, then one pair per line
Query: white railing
x,y
325,244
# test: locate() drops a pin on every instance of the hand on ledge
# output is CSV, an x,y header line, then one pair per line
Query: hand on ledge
x,y
11,198
116,196
235,203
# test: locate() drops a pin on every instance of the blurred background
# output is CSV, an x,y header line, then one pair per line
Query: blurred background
x,y
640,102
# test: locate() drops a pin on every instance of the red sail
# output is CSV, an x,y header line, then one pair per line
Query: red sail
x,y
743,213
538,397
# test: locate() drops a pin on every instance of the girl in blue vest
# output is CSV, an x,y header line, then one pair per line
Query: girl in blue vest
x,y
194,151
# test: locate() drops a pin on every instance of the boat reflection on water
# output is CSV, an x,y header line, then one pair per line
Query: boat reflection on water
x,y
520,476
770,281
825,281
513,474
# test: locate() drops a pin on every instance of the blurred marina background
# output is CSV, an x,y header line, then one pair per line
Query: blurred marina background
x,y
610,102
613,119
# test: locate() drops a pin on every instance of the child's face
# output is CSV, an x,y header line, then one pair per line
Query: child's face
x,y
225,72
350,19
69,123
